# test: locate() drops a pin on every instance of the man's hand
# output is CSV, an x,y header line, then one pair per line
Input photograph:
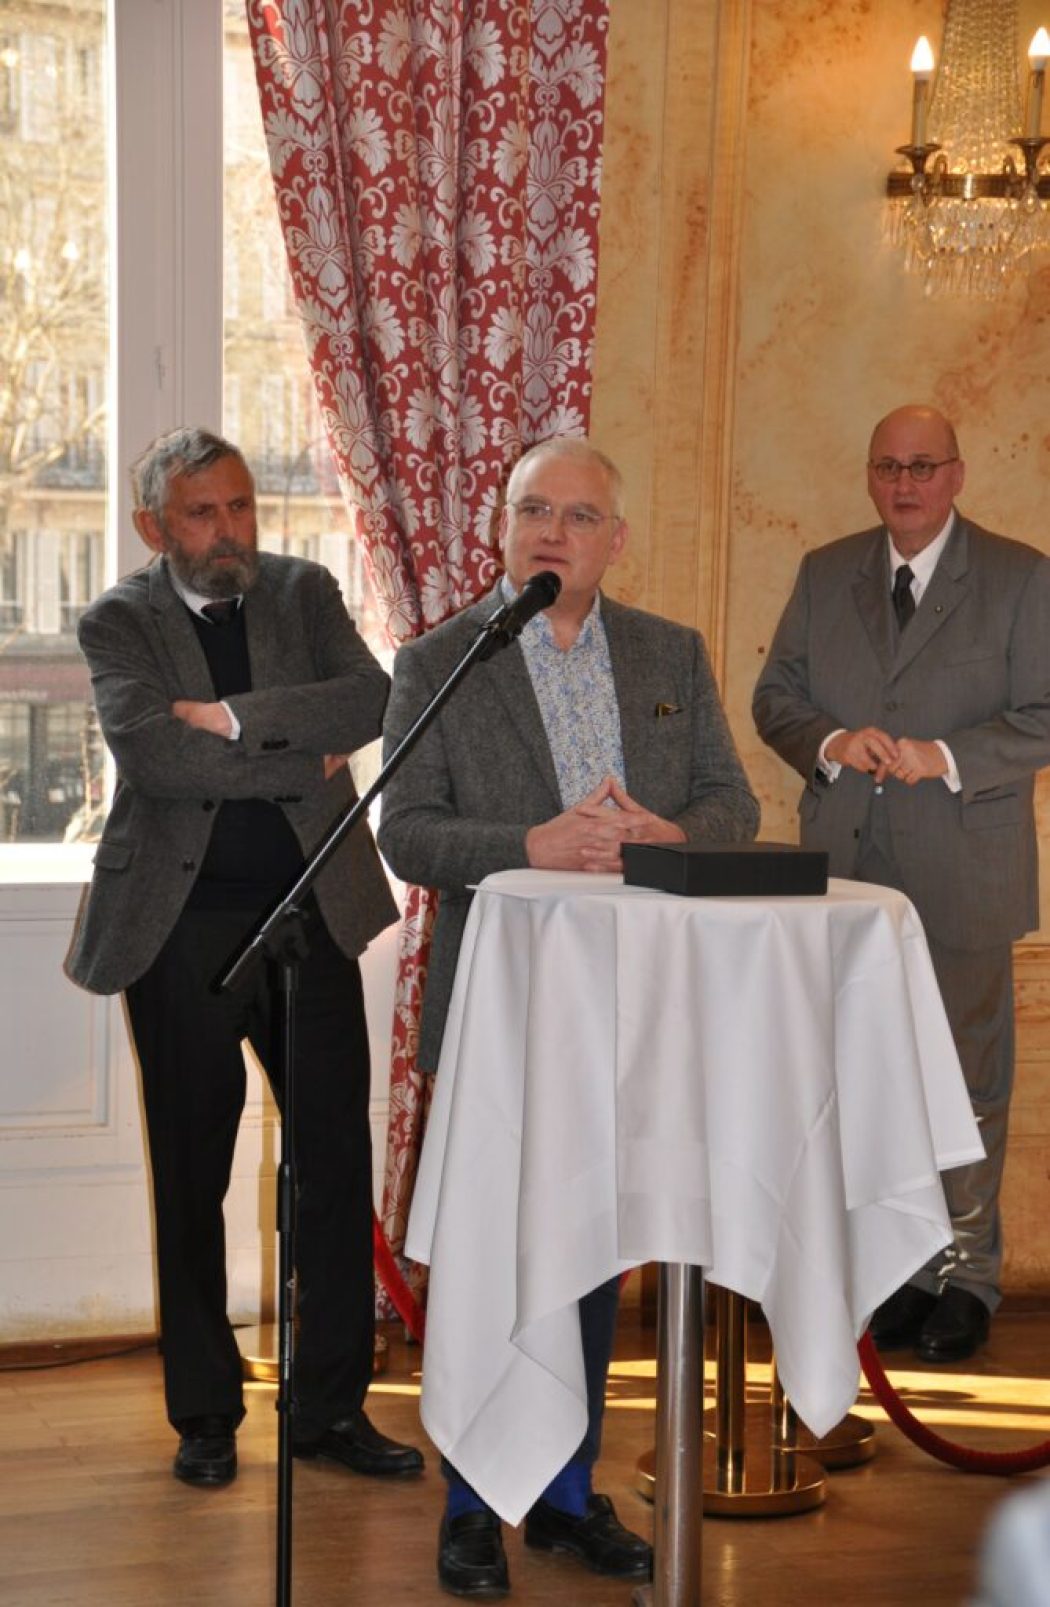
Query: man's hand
x,y
871,751
919,761
590,836
642,825
205,716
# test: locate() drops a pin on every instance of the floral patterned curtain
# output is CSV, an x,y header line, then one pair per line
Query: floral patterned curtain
x,y
437,170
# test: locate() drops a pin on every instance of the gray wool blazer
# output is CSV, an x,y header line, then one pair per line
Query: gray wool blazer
x,y
973,669
482,775
316,690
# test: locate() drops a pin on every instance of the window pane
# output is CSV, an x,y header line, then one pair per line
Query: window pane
x,y
53,364
268,397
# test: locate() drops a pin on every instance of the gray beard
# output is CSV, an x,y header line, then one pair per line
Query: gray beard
x,y
213,579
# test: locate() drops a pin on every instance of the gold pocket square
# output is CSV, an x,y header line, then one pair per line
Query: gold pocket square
x,y
664,709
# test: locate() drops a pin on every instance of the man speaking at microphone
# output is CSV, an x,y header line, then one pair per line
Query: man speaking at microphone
x,y
601,725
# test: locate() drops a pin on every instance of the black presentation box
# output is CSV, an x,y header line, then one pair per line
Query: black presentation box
x,y
724,870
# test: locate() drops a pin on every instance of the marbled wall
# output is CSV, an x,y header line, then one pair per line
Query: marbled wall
x,y
754,324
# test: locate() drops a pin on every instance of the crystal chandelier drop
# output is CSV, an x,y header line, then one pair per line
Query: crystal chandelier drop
x,y
974,201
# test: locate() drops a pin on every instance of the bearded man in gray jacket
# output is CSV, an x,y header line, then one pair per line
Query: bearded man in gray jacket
x,y
231,687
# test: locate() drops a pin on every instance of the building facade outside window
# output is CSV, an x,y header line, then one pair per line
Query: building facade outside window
x,y
269,403
54,347
56,224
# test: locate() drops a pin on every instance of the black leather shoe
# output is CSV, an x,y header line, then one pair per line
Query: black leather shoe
x,y
897,1323
207,1452
598,1539
471,1558
357,1445
956,1327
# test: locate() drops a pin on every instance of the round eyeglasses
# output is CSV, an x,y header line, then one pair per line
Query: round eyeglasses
x,y
920,469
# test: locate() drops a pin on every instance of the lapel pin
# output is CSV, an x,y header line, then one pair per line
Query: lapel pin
x,y
664,709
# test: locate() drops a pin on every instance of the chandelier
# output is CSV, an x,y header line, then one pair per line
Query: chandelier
x,y
974,201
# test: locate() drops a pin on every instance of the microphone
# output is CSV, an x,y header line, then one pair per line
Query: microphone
x,y
510,619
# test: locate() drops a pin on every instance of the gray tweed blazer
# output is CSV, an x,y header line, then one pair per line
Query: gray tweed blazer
x,y
316,690
482,775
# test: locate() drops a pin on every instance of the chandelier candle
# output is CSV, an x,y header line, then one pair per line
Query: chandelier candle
x,y
1038,54
922,72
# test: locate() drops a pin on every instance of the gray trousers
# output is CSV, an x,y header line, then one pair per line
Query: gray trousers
x,y
977,990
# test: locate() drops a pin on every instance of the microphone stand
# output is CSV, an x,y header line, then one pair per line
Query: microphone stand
x,y
280,937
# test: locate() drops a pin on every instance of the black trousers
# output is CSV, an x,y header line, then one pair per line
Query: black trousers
x,y
188,1040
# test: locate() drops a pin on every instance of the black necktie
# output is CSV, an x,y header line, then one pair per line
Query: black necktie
x,y
903,601
221,613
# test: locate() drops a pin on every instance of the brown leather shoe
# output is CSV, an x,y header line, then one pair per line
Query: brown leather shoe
x,y
471,1558
598,1539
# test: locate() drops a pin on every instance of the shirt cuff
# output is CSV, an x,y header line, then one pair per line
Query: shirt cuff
x,y
830,769
235,724
951,780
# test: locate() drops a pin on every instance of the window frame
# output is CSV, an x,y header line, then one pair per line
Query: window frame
x,y
166,287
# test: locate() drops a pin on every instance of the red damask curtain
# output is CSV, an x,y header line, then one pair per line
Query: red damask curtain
x,y
437,170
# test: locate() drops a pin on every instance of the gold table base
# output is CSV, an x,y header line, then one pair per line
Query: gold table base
x,y
850,1443
758,1460
258,1348
769,1484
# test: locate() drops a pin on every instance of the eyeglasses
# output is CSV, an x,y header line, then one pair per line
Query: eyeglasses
x,y
537,513
920,469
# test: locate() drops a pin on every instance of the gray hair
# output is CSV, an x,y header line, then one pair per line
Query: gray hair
x,y
570,446
183,451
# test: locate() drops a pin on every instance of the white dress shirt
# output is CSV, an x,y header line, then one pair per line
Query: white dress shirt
x,y
922,567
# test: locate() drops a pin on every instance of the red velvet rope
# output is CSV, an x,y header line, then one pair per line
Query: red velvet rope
x,y
389,1273
1000,1463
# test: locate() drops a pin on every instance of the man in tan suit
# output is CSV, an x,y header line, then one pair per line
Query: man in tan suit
x,y
909,684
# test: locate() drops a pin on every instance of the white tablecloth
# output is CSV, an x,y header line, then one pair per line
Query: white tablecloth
x,y
763,1087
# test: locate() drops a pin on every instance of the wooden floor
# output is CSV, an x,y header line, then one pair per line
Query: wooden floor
x,y
90,1515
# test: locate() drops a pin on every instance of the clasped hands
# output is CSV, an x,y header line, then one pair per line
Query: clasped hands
x,y
876,753
215,717
591,835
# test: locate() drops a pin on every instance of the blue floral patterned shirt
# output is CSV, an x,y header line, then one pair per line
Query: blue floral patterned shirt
x,y
577,698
